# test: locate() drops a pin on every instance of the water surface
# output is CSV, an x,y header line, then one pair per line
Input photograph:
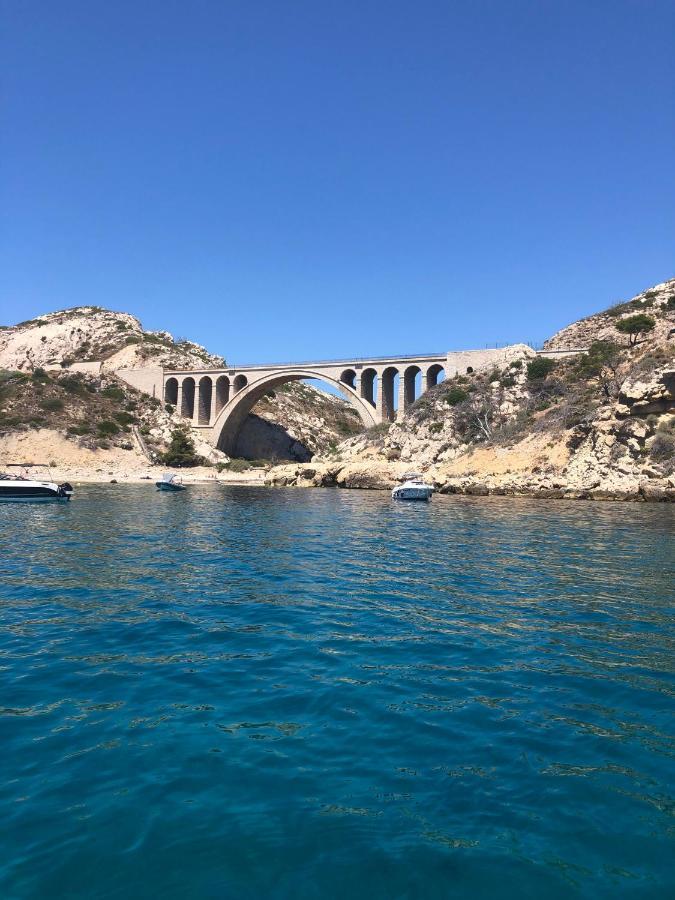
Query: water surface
x,y
248,693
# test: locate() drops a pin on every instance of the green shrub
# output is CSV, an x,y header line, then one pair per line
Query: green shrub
x,y
40,375
113,393
539,368
73,384
507,380
435,427
124,418
79,429
455,395
52,404
181,450
238,465
670,302
107,428
516,364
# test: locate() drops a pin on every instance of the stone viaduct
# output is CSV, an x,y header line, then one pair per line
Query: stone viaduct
x,y
217,401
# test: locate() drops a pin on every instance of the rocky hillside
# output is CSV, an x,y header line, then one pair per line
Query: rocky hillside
x,y
600,424
91,334
59,373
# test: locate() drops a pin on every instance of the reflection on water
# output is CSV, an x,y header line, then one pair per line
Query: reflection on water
x,y
253,693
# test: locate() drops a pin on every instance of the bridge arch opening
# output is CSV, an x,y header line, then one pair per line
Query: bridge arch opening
x,y
435,374
171,391
349,377
231,418
187,406
369,386
412,385
388,388
204,396
239,383
222,392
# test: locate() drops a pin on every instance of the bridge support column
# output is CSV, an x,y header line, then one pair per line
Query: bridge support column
x,y
179,399
400,412
380,414
212,411
423,385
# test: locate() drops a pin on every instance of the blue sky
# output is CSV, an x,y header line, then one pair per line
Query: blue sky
x,y
293,180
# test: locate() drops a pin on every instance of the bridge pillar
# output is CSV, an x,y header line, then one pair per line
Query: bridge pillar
x,y
402,406
380,415
212,411
179,398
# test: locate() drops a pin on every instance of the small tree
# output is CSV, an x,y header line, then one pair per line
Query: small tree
x,y
634,326
181,450
602,362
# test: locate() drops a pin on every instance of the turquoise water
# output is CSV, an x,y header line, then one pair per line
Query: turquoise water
x,y
250,693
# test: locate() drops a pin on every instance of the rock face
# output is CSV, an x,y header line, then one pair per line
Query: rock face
x,y
594,430
296,422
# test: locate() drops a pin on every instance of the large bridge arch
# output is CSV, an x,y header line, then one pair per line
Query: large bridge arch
x,y
231,417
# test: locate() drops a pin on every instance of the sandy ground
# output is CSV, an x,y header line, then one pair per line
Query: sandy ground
x,y
522,457
68,461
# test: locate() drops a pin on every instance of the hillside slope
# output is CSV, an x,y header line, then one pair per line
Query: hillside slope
x,y
60,387
598,425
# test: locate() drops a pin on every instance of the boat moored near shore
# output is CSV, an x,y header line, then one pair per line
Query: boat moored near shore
x,y
31,482
413,488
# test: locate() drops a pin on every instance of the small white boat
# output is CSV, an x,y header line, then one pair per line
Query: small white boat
x,y
170,482
32,482
413,488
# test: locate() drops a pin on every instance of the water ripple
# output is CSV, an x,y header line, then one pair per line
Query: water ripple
x,y
315,694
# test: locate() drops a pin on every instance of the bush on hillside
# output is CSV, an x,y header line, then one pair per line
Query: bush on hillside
x,y
107,428
455,396
52,404
539,368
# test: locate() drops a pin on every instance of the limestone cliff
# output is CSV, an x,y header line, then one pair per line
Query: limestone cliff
x,y
597,425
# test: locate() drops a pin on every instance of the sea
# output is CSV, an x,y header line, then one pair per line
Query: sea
x,y
244,692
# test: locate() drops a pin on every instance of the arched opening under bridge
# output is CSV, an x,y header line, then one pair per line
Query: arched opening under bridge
x,y
171,391
232,417
187,406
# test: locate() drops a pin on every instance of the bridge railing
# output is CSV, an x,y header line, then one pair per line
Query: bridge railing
x,y
354,360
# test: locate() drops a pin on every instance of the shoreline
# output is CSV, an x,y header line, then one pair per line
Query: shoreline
x,y
478,490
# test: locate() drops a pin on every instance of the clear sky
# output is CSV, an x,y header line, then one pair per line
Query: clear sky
x,y
293,179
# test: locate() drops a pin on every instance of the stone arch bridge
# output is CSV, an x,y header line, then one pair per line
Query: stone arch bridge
x,y
217,401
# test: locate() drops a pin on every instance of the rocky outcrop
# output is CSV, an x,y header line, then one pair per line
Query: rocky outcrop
x,y
602,326
107,340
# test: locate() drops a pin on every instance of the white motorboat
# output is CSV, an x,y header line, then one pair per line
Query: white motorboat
x,y
31,482
170,482
412,488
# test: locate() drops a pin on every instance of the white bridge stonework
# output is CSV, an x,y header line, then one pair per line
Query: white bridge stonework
x,y
217,401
